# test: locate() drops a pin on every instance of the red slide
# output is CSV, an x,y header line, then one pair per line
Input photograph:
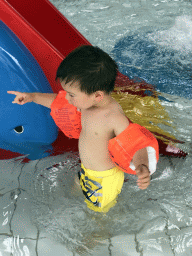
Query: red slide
x,y
49,36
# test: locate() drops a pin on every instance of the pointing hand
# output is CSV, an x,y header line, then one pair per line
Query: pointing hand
x,y
21,97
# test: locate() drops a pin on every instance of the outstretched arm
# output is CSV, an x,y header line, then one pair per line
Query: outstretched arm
x,y
44,99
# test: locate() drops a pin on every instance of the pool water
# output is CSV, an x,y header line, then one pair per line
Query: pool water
x,y
42,211
151,41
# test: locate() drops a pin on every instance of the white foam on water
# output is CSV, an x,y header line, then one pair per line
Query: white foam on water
x,y
178,37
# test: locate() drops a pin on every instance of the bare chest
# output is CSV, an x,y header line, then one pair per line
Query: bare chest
x,y
96,125
93,141
94,138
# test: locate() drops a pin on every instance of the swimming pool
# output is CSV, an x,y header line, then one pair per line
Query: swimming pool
x,y
43,214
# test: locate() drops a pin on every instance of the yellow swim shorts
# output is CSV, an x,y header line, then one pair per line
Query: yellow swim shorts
x,y
101,188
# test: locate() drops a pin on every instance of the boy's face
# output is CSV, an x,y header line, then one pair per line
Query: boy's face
x,y
77,98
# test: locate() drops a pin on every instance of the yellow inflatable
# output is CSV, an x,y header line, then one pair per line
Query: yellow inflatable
x,y
144,110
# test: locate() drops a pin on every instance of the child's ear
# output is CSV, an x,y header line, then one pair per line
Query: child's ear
x,y
99,95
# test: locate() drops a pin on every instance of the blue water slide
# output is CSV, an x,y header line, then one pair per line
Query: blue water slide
x,y
29,128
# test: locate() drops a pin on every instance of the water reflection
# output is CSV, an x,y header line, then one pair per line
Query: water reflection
x,y
58,207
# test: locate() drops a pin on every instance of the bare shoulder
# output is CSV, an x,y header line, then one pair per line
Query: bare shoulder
x,y
117,119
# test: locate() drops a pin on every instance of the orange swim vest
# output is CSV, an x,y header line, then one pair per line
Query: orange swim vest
x,y
121,148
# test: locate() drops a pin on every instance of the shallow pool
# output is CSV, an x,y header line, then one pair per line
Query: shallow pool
x,y
42,211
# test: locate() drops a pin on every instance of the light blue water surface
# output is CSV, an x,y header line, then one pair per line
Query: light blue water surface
x,y
151,40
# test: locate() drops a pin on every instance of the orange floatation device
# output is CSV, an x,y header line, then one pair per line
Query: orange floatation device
x,y
121,148
66,116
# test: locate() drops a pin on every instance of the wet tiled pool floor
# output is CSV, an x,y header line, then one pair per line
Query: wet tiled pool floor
x,y
163,235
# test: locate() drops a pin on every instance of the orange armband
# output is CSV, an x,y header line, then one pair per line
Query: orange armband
x,y
123,147
66,116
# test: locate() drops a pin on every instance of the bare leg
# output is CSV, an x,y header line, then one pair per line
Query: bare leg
x,y
76,180
76,188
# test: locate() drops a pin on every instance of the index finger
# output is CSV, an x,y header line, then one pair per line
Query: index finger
x,y
12,92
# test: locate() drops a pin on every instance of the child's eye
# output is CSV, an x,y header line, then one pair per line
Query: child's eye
x,y
71,95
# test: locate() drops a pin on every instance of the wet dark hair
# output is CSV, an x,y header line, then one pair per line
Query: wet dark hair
x,y
94,69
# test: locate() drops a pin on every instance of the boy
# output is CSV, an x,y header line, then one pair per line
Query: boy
x,y
88,75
